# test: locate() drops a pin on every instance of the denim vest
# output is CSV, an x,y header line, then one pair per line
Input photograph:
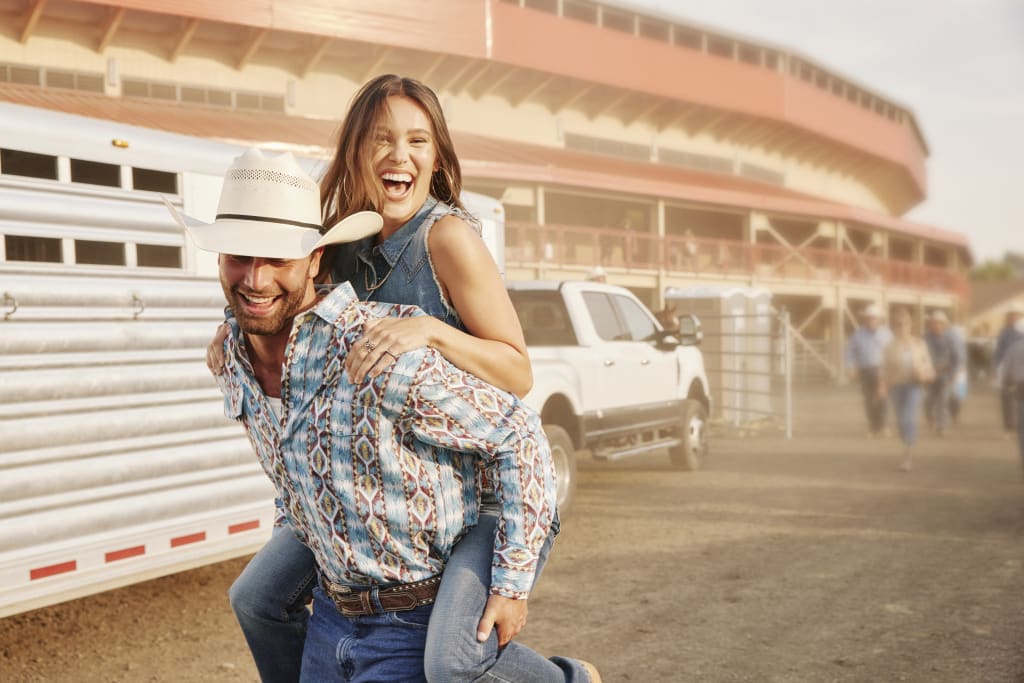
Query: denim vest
x,y
399,270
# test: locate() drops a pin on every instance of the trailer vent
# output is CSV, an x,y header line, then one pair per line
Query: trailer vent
x,y
35,249
157,256
28,164
95,173
99,253
154,181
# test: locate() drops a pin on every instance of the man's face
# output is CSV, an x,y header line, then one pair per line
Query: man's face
x,y
266,294
873,322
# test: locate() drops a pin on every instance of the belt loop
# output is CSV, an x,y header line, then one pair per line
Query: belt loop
x,y
378,607
367,600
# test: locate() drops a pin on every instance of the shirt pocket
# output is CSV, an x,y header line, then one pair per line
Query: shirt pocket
x,y
330,430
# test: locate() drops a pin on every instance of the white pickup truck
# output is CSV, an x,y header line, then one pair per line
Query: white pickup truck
x,y
608,378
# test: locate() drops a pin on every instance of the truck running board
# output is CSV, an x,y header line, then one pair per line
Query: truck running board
x,y
643,447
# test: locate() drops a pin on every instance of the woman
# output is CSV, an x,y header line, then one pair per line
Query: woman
x,y
906,365
395,156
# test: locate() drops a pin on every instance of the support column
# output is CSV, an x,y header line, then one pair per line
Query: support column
x,y
543,244
839,332
659,218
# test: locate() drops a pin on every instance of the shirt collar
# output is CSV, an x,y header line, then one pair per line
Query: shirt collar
x,y
391,248
338,297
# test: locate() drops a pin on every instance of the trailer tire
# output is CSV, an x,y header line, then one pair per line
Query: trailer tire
x,y
690,454
563,454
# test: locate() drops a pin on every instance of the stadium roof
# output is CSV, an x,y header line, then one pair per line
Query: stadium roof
x,y
482,157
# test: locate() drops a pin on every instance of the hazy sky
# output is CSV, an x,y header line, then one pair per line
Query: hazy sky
x,y
957,64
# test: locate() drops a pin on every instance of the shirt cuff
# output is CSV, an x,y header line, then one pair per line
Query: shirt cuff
x,y
511,583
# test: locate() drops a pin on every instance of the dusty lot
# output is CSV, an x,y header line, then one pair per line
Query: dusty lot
x,y
808,560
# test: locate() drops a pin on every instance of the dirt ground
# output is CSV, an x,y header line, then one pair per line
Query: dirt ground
x,y
814,559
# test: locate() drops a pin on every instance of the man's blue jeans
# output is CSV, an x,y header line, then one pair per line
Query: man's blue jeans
x,y
269,598
368,649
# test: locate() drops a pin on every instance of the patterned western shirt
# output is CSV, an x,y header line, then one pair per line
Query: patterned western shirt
x,y
864,350
380,479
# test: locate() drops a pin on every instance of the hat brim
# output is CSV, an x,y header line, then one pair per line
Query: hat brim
x,y
272,240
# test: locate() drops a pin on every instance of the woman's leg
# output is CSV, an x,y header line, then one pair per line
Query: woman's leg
x,y
269,600
453,653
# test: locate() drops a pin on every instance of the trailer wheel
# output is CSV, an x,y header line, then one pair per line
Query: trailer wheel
x,y
563,453
690,454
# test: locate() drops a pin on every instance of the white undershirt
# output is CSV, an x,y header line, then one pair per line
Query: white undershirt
x,y
276,406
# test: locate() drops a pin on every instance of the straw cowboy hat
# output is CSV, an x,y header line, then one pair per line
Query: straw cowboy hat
x,y
939,317
269,207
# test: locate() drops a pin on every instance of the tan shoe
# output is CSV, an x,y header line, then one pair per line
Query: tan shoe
x,y
591,671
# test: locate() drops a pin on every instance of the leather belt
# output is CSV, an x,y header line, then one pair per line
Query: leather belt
x,y
395,598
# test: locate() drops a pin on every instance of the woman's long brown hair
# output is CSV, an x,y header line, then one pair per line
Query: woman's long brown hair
x,y
350,183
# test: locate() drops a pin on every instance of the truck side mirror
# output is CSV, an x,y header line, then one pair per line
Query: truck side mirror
x,y
690,332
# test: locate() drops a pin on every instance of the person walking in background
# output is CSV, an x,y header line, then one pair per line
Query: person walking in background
x,y
863,360
906,365
958,390
1013,377
942,349
1008,335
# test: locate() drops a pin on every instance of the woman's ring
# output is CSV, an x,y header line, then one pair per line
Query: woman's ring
x,y
370,346
393,356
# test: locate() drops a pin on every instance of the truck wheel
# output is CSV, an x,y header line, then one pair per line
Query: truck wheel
x,y
690,454
564,456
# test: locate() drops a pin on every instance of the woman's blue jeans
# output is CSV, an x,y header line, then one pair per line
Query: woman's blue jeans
x,y
906,401
269,600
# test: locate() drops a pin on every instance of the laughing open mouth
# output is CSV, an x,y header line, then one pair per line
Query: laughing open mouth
x,y
254,302
396,185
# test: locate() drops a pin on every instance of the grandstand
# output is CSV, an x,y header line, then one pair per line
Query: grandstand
x,y
671,154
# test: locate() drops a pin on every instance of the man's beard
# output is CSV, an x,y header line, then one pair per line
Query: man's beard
x,y
284,309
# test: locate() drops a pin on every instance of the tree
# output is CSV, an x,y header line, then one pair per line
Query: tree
x,y
991,271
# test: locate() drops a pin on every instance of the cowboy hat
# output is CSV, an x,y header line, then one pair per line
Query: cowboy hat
x,y
872,311
939,316
269,207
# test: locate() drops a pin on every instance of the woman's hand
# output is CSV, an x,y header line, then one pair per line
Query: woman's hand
x,y
215,351
384,340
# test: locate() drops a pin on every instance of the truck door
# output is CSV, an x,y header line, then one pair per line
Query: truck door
x,y
657,367
626,366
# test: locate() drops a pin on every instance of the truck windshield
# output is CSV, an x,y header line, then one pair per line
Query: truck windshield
x,y
543,317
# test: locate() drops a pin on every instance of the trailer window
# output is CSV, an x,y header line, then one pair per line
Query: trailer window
x,y
154,181
157,256
38,249
99,253
95,173
29,164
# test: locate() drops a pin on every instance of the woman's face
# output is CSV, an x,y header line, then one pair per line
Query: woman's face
x,y
404,159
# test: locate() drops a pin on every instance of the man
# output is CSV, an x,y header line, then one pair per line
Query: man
x,y
942,349
379,479
1013,377
864,361
1008,335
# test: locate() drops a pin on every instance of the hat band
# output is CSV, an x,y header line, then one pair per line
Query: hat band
x,y
265,219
